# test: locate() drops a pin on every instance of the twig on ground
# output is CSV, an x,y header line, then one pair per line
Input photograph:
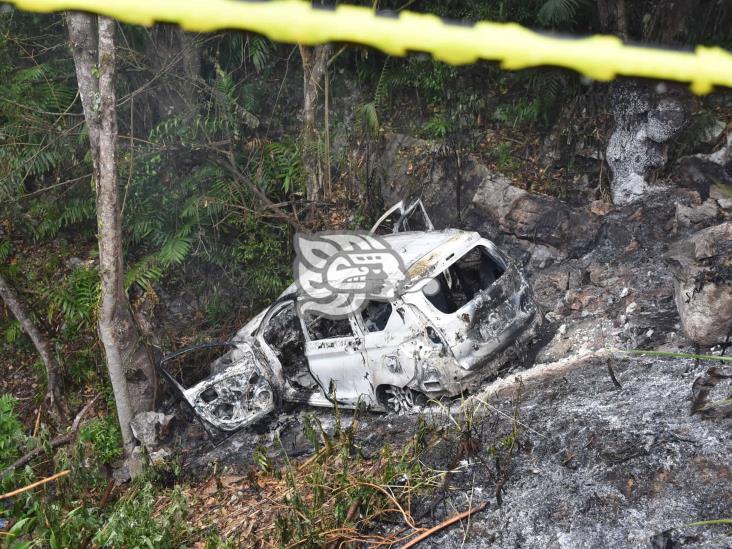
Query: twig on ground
x,y
35,484
55,443
449,522
612,373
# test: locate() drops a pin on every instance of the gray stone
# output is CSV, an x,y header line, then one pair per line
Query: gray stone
x,y
687,216
712,132
702,268
149,428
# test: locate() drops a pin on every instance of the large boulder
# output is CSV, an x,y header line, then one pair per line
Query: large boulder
x,y
469,195
702,268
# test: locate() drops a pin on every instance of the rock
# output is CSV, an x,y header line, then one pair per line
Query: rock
x,y
636,147
601,207
699,174
687,216
584,298
712,132
480,199
722,157
150,428
408,167
702,268
544,220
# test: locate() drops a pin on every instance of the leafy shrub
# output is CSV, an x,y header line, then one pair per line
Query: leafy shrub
x,y
502,155
519,113
134,521
437,127
104,438
11,431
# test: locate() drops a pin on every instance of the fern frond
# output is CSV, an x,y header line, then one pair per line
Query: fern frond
x,y
175,250
558,12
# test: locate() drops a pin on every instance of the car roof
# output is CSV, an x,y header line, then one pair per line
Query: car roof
x,y
424,252
421,253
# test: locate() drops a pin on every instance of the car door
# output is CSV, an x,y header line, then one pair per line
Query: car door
x,y
393,339
334,349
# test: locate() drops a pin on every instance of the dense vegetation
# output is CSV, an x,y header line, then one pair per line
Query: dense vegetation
x,y
212,175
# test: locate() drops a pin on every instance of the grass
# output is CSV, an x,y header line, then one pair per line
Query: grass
x,y
346,494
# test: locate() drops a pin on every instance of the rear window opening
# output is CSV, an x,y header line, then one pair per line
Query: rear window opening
x,y
320,327
472,273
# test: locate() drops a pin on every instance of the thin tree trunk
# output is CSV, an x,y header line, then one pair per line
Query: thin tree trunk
x,y
54,396
314,65
612,17
175,59
130,368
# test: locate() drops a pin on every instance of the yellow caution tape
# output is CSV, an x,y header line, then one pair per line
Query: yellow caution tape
x,y
295,21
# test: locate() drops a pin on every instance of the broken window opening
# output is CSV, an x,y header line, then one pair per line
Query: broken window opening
x,y
375,315
475,271
196,364
283,334
320,327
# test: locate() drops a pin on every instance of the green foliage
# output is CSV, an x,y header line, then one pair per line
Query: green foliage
x,y
133,523
70,522
323,494
13,332
425,74
6,248
519,113
54,216
38,126
76,299
367,115
558,12
437,127
104,438
11,431
282,166
502,155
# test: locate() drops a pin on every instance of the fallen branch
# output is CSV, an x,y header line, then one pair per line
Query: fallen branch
x,y
449,522
533,376
35,484
55,443
54,396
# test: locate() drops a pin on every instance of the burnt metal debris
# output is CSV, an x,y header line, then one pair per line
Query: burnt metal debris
x,y
463,311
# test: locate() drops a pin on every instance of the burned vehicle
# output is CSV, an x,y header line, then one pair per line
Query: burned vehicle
x,y
450,312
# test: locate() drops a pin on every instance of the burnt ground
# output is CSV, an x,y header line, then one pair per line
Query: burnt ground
x,y
595,465
600,466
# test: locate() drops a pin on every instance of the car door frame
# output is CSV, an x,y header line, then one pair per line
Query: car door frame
x,y
357,352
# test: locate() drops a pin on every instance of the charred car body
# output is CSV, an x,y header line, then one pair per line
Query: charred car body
x,y
462,311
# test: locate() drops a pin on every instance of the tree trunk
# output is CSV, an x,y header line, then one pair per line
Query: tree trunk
x,y
54,395
646,121
175,60
314,65
130,368
612,17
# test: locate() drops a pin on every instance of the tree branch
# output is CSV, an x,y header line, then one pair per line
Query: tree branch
x,y
61,440
54,398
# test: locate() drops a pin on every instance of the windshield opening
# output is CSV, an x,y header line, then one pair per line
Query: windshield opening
x,y
475,271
